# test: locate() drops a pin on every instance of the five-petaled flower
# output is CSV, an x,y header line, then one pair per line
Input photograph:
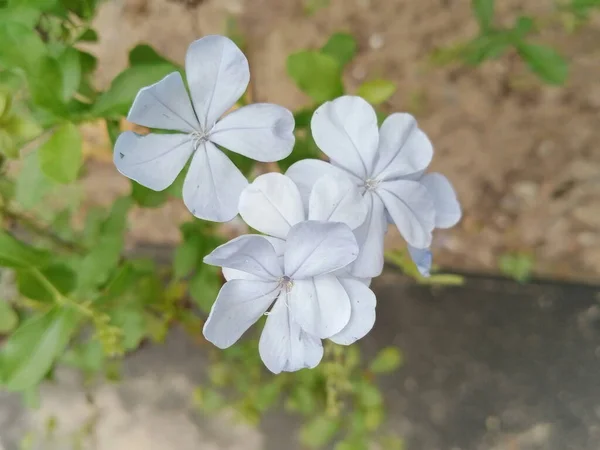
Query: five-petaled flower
x,y
307,300
217,75
388,166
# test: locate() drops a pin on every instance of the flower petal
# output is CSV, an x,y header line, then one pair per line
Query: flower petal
x,y
411,207
239,305
362,317
234,274
283,346
447,207
345,129
370,236
337,200
165,105
153,160
251,254
272,205
422,258
320,305
317,248
403,148
305,174
213,185
262,131
217,74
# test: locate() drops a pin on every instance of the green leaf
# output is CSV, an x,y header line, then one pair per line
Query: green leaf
x,y
21,128
88,35
25,15
116,223
32,349
387,360
316,74
21,46
342,46
88,357
488,46
61,155
544,62
368,395
518,266
8,317
60,277
303,117
130,319
144,54
46,86
147,197
377,91
98,265
31,185
187,256
117,100
204,287
70,63
18,255
319,431
8,147
484,12
42,5
523,26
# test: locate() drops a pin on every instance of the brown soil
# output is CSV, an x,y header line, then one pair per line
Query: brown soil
x,y
523,157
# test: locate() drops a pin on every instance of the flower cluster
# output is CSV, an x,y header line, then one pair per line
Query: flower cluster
x,y
322,223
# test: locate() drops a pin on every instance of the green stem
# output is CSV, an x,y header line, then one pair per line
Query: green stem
x,y
59,298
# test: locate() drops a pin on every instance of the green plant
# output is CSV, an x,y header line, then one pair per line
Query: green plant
x,y
81,300
518,266
494,41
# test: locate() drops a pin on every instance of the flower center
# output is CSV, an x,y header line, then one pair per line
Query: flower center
x,y
198,138
371,184
286,283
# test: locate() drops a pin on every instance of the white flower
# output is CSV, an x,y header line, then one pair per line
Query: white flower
x,y
272,205
385,164
217,75
309,302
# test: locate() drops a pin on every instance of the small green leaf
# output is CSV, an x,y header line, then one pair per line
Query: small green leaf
x,y
484,12
484,47
117,100
42,5
8,317
70,64
130,319
88,35
97,266
147,197
368,396
544,62
60,277
319,431
316,74
21,46
523,26
21,128
61,155
46,86
32,185
377,91
518,266
342,46
25,15
32,349
204,287
18,255
144,54
187,256
387,360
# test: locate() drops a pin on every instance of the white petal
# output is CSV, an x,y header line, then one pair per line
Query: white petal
x,y
411,207
283,346
262,131
250,253
213,185
403,148
447,207
320,305
337,200
217,74
370,236
305,174
362,317
346,272
153,160
317,248
422,258
165,105
239,305
345,129
278,246
272,205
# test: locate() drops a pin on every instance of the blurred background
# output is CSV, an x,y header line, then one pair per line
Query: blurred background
x,y
509,360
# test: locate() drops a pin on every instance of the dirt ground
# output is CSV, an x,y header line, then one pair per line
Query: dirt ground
x,y
523,157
